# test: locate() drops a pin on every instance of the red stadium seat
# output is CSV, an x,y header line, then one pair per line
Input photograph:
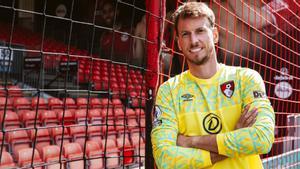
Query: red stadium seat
x,y
55,103
51,155
11,119
21,103
25,159
80,116
127,150
132,123
73,153
59,136
38,102
6,103
120,124
94,151
119,112
41,138
79,134
96,103
112,152
130,113
139,144
5,145
106,113
49,118
82,102
117,102
29,118
70,103
95,116
18,140
66,117
106,102
140,112
95,133
6,161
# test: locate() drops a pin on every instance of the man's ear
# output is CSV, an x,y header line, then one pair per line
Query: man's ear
x,y
216,34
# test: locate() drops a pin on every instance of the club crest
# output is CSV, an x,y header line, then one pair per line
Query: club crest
x,y
227,88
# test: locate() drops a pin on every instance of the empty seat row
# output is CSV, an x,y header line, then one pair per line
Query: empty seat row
x,y
56,103
30,118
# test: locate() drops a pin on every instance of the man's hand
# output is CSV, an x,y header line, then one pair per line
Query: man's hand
x,y
184,141
247,118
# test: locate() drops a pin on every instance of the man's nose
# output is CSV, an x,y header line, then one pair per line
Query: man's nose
x,y
194,39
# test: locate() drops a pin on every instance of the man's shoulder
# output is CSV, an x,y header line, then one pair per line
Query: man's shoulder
x,y
241,71
175,81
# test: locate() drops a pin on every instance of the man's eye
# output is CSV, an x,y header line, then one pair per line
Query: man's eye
x,y
184,34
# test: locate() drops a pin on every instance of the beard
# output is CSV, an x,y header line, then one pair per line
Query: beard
x,y
201,61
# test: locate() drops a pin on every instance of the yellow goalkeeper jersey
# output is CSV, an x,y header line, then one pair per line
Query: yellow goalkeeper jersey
x,y
193,107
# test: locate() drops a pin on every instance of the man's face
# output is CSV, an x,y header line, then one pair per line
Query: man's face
x,y
108,14
196,39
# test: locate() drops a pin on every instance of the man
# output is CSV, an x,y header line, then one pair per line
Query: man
x,y
118,38
198,123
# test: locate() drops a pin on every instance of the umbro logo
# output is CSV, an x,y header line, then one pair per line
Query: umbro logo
x,y
187,97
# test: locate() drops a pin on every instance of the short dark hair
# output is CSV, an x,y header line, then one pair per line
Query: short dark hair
x,y
193,9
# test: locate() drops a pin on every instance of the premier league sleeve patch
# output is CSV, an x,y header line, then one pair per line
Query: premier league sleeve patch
x,y
156,117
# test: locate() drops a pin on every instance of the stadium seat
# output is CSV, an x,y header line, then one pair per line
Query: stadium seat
x,y
120,124
55,103
139,144
59,136
7,161
107,112
95,103
140,112
5,144
49,118
29,118
6,103
82,102
51,155
38,102
18,140
70,103
106,102
130,113
95,133
112,153
119,112
11,120
95,153
25,159
80,116
95,116
127,150
132,123
21,103
79,134
40,138
66,117
73,153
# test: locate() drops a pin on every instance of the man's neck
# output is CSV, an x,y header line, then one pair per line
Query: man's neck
x,y
205,71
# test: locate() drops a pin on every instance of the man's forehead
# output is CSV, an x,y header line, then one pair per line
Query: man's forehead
x,y
200,22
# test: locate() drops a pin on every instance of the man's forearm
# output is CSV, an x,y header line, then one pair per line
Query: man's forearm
x,y
214,157
207,142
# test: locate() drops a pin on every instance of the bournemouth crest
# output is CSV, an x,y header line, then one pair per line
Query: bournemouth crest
x,y
227,88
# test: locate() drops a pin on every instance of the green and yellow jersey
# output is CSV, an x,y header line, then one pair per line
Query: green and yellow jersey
x,y
193,107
